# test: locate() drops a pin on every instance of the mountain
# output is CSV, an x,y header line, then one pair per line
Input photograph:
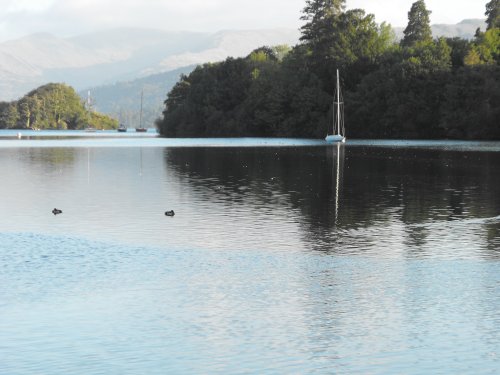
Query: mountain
x,y
118,64
122,100
465,29
116,55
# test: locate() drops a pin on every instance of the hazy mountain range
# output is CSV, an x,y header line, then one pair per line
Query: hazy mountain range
x,y
465,29
116,65
117,55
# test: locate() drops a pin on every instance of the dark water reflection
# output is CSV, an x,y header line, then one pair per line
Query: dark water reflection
x,y
410,195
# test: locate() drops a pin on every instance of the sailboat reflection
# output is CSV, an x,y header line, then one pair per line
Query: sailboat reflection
x,y
338,155
140,157
88,166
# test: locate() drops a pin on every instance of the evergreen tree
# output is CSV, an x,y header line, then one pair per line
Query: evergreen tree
x,y
9,115
318,14
485,49
419,28
459,51
493,14
24,113
410,90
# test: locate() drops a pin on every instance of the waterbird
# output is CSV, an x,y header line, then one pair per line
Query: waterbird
x,y
56,211
169,213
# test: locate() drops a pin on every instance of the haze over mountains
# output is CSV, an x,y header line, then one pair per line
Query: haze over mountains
x,y
120,54
464,29
117,64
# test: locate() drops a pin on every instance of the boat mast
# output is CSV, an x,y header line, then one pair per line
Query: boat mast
x,y
338,103
140,115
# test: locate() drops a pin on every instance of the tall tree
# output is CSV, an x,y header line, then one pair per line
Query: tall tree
x,y
485,49
493,14
419,27
318,14
9,115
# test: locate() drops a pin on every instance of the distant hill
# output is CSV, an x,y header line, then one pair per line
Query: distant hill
x,y
116,65
52,106
465,29
116,55
122,100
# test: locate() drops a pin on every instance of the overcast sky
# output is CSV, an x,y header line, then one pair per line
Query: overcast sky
x,y
73,17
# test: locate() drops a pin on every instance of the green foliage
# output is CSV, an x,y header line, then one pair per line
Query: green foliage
x,y
9,115
419,88
263,54
473,57
428,56
319,14
281,51
101,121
459,50
419,26
489,46
493,14
52,106
350,40
485,49
471,105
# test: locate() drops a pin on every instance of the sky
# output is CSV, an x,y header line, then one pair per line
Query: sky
x,y
73,17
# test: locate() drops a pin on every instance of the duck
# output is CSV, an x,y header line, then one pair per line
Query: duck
x,y
169,213
56,211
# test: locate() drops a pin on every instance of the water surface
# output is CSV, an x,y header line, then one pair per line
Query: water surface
x,y
284,256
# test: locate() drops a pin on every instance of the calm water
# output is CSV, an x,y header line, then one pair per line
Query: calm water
x,y
284,256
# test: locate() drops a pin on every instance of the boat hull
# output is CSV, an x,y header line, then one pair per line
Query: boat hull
x,y
334,138
142,130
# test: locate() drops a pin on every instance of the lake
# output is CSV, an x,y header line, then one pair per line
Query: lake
x,y
284,256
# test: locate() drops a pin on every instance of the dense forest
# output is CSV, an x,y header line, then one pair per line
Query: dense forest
x,y
52,106
418,87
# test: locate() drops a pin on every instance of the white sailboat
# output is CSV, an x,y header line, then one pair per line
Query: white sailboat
x,y
338,118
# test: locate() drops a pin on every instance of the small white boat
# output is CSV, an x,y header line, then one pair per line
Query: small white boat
x,y
338,117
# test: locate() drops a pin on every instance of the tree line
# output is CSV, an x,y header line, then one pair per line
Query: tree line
x,y
52,106
419,87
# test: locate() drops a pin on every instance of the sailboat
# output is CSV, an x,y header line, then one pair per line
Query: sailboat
x,y
338,119
122,128
141,128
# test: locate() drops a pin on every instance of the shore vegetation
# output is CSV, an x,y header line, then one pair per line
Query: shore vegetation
x,y
52,106
420,87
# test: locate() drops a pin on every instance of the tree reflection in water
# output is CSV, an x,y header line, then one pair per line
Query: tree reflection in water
x,y
346,195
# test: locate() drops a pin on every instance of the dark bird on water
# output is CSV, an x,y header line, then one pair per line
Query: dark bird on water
x,y
169,213
56,211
